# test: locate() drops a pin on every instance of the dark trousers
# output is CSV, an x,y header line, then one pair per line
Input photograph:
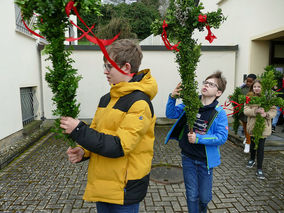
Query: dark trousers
x,y
259,151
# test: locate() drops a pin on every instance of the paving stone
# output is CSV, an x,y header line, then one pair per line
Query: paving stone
x,y
219,211
42,180
239,207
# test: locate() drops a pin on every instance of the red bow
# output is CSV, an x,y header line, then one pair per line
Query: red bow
x,y
165,39
210,36
202,18
247,99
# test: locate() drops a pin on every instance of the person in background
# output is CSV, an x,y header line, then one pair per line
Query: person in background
x,y
251,111
200,149
244,90
279,88
120,141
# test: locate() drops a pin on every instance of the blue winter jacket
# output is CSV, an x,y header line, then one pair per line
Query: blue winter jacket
x,y
215,136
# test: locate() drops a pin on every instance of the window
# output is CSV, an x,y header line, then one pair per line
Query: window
x,y
29,104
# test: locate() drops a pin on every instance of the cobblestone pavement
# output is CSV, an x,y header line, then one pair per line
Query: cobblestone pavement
x,y
42,180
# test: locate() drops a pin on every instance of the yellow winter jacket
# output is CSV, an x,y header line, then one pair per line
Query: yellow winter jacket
x,y
119,142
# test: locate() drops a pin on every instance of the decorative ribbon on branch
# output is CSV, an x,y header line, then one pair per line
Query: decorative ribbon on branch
x,y
235,109
203,19
237,106
31,31
101,42
165,39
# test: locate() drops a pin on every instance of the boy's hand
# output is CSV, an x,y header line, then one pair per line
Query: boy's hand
x,y
75,155
191,137
68,124
176,92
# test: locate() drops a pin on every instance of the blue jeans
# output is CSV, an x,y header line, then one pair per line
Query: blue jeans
x,y
116,208
198,184
275,119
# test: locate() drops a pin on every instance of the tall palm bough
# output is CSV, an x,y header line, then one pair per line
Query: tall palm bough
x,y
62,78
182,18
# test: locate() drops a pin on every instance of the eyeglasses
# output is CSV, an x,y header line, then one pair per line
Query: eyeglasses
x,y
210,84
107,67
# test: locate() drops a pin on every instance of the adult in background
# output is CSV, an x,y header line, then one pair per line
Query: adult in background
x,y
279,88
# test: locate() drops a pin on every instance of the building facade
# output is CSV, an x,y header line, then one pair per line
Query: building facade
x,y
251,38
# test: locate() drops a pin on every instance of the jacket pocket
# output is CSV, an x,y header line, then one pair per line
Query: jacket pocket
x,y
136,190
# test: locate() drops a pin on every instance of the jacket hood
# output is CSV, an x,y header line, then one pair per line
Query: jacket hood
x,y
142,81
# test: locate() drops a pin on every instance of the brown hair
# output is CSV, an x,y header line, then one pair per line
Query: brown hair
x,y
220,79
125,51
251,93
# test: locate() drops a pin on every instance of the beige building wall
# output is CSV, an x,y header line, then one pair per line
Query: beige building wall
x,y
259,57
246,22
250,24
163,67
19,67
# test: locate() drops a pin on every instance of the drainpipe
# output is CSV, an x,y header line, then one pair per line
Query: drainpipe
x,y
40,48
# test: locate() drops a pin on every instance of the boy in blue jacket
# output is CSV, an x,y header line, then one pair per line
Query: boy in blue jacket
x,y
200,150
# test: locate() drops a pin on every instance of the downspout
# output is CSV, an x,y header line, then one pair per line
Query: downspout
x,y
40,48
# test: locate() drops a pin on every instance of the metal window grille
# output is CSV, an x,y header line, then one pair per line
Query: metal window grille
x,y
29,104
71,33
19,24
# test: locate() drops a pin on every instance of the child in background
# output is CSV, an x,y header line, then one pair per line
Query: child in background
x,y
244,90
251,110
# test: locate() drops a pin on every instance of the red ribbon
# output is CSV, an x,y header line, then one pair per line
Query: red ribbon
x,y
69,6
31,31
165,39
247,99
210,36
237,106
102,43
235,109
83,35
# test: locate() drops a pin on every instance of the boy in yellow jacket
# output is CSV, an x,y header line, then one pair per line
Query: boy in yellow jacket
x,y
119,142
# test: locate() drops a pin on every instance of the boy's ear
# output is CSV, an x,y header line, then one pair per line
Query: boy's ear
x,y
219,93
127,68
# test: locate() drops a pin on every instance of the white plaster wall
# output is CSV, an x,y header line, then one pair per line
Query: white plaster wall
x,y
19,67
163,68
246,20
91,87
